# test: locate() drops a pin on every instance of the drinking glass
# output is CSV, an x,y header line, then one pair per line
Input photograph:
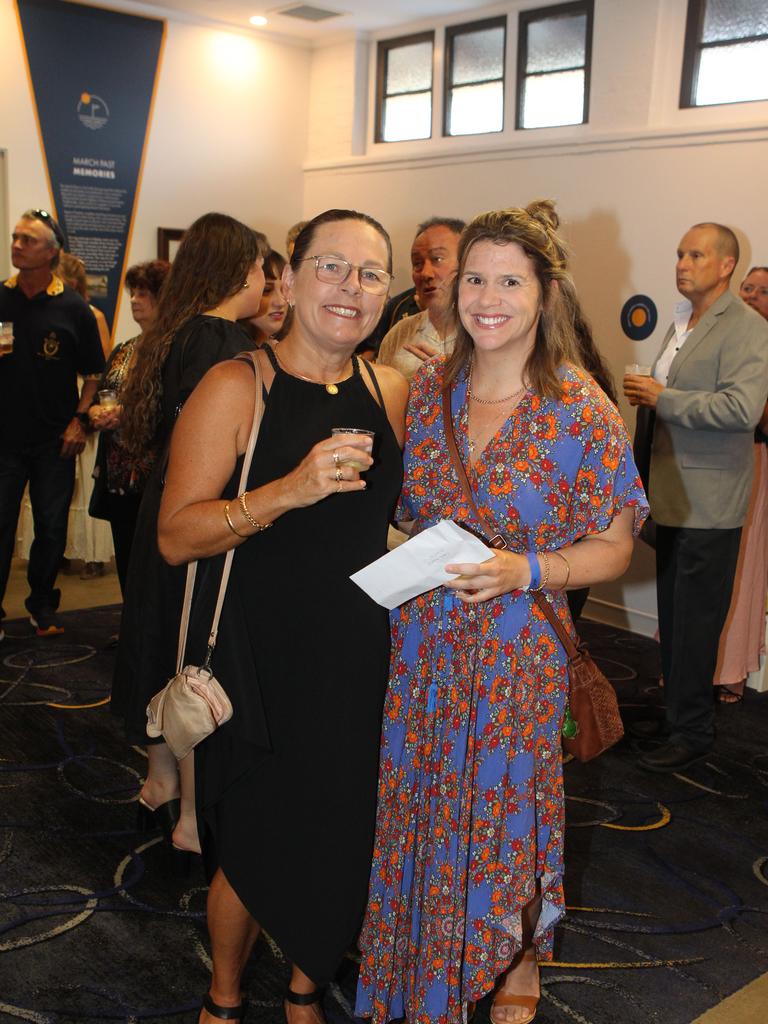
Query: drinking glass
x,y
361,468
108,399
6,337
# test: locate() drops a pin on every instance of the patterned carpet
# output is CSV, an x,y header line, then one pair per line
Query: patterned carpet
x,y
667,877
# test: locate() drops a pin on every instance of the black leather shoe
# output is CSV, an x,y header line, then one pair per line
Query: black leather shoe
x,y
648,729
672,757
163,817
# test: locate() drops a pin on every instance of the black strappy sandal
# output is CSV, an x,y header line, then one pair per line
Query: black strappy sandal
x,y
303,998
224,1012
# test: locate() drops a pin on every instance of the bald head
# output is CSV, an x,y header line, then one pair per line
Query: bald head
x,y
725,241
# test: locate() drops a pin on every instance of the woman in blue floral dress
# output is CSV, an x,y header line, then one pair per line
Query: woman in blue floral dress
x,y
466,884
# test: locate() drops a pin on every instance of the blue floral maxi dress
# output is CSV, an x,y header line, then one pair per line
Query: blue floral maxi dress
x,y
470,806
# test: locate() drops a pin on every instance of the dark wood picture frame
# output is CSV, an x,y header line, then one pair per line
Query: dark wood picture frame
x,y
166,237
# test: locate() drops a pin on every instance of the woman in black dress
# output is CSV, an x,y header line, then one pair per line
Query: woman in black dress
x,y
118,479
216,279
286,789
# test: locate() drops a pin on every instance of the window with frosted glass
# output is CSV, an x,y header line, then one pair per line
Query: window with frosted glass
x,y
726,52
404,93
474,77
553,62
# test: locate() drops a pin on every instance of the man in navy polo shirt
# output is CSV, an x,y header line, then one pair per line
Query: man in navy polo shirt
x,y
42,419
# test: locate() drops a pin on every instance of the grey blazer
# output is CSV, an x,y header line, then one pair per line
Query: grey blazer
x,y
701,457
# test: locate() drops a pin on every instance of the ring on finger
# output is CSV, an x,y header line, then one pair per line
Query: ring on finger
x,y
336,459
339,475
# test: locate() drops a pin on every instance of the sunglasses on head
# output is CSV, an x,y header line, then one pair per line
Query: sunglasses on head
x,y
48,220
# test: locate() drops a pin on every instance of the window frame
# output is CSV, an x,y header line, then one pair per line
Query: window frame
x,y
382,60
525,18
693,46
467,28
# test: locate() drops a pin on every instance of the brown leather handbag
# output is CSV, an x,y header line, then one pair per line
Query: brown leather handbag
x,y
593,710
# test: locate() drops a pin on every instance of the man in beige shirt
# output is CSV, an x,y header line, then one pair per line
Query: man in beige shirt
x,y
434,262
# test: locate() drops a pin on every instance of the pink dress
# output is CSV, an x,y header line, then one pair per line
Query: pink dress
x,y
743,638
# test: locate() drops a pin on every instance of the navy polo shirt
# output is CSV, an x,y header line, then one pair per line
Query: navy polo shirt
x,y
55,338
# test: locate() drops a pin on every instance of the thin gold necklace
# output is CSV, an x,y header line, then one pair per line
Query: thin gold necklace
x,y
490,401
494,421
332,388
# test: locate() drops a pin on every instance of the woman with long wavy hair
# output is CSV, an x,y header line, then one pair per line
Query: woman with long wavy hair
x,y
216,279
467,876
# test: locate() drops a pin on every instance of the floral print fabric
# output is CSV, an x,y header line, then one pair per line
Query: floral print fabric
x,y
470,810
125,473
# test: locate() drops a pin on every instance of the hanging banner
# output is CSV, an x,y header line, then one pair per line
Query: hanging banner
x,y
93,75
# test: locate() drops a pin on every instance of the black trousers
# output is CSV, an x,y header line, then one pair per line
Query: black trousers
x,y
122,510
694,581
51,482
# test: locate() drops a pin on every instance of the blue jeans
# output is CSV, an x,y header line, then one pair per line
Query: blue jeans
x,y
51,482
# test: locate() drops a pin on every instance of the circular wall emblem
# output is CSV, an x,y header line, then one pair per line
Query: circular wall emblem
x,y
639,317
92,111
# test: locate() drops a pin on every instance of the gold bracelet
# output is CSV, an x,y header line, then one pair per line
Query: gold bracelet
x,y
230,524
258,527
545,575
567,569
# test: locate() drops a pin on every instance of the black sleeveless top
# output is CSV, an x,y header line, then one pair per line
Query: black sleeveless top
x,y
286,790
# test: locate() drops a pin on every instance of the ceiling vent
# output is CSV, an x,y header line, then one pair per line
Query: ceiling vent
x,y
306,12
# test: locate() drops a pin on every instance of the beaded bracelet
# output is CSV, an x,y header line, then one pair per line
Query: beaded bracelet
x,y
257,526
230,524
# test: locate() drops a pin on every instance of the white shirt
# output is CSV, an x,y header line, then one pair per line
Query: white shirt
x,y
410,329
683,311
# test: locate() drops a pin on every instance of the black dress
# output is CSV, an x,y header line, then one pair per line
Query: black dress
x,y
149,629
286,790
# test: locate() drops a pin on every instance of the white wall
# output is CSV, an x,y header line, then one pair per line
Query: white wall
x,y
269,133
628,184
228,133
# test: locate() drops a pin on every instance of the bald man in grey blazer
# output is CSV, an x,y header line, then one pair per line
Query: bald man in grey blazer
x,y
707,390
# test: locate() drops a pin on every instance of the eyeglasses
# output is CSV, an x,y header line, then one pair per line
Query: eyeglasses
x,y
334,270
48,220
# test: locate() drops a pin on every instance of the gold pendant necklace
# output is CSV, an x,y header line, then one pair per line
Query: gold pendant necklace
x,y
332,389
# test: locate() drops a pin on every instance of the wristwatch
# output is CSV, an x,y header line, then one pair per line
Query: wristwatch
x,y
85,421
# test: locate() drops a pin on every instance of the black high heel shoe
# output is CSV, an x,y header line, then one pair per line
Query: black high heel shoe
x,y
163,817
224,1012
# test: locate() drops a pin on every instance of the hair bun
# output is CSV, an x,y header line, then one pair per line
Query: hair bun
x,y
543,210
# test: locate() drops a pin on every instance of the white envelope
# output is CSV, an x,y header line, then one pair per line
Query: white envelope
x,y
419,564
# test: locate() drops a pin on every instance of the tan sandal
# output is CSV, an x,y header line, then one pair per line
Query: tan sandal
x,y
523,1002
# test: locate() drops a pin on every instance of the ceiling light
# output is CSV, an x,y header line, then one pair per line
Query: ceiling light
x,y
258,19
307,13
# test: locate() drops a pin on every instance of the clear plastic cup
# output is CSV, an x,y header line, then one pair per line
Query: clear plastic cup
x,y
108,398
354,430
637,370
6,337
